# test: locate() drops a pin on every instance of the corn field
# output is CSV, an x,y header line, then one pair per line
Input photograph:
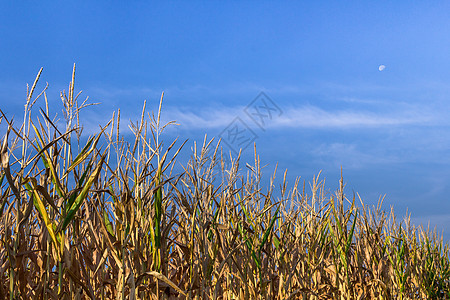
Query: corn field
x,y
106,217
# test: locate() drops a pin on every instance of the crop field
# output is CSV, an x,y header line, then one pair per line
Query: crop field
x,y
106,217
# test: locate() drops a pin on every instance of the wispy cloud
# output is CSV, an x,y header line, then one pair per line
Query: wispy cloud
x,y
301,117
315,117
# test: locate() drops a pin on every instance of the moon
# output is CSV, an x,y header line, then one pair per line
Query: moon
x,y
381,68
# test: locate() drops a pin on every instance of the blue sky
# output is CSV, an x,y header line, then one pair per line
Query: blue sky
x,y
318,63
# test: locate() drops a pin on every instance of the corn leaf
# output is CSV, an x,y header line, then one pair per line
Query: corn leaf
x,y
84,152
80,184
49,164
39,204
79,200
269,229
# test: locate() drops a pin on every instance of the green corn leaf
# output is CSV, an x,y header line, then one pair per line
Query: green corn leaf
x,y
110,188
79,200
84,153
158,208
108,224
127,231
343,257
341,253
39,204
152,231
80,184
247,215
247,239
276,242
269,229
338,223
249,245
350,237
256,260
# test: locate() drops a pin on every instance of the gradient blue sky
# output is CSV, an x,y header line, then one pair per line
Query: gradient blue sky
x,y
318,62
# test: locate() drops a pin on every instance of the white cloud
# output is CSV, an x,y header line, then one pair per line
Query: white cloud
x,y
315,117
299,117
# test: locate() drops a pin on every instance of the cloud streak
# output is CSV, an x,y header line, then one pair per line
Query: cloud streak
x,y
301,117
